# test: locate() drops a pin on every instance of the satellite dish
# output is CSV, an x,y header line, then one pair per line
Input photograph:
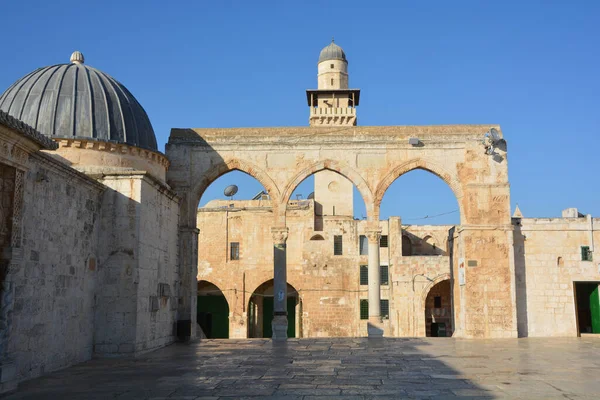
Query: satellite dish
x,y
490,140
494,135
311,196
230,190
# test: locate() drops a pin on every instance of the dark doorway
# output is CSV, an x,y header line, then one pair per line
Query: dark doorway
x,y
213,311
587,307
438,329
438,310
260,311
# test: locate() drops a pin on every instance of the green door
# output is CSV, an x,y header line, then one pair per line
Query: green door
x,y
213,316
595,310
291,310
268,317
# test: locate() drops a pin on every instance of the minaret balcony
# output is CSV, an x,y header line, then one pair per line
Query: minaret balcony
x,y
330,111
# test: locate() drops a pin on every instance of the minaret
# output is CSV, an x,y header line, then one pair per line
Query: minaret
x,y
333,103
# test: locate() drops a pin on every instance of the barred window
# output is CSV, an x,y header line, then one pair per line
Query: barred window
x,y
586,254
364,275
385,308
384,275
383,241
383,303
363,245
337,245
437,302
364,309
234,251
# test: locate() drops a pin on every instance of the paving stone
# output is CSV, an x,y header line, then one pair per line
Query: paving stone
x,y
393,369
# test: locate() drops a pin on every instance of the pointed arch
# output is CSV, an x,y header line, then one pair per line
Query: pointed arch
x,y
341,168
435,281
235,164
425,165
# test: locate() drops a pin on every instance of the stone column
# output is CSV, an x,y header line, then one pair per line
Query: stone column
x,y
375,327
188,290
280,322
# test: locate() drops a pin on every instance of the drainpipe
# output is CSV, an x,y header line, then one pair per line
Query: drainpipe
x,y
591,231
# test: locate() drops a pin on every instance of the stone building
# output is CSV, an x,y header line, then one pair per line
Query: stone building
x,y
104,252
89,225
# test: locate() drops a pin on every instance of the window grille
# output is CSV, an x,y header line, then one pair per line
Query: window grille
x,y
437,302
383,241
384,275
363,245
234,251
364,275
385,308
586,254
383,303
337,245
364,309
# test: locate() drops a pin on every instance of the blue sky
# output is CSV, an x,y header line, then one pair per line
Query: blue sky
x,y
530,66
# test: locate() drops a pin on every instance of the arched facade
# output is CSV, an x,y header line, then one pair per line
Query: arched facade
x,y
372,158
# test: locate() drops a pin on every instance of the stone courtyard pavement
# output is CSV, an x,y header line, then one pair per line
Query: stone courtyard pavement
x,y
347,368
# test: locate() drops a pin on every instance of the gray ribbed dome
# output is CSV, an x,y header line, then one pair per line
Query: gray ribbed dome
x,y
332,52
77,101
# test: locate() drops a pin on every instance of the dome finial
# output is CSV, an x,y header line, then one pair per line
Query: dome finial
x,y
332,40
77,57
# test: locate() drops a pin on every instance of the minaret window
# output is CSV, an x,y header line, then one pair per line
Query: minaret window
x,y
332,81
331,66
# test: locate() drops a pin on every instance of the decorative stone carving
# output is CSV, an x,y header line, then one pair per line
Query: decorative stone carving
x,y
19,155
373,235
17,209
280,235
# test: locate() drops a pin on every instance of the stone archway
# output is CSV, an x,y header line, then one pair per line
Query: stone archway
x,y
334,166
227,166
412,165
438,307
372,158
260,311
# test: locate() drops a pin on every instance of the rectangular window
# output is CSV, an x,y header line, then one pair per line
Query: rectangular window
x,y
385,308
363,245
383,241
234,251
437,302
383,303
384,275
586,254
337,245
364,275
364,309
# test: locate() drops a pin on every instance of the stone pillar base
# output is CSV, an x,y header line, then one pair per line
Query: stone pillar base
x,y
8,375
279,326
375,327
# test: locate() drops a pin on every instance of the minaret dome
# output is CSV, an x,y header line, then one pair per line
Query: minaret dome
x,y
332,68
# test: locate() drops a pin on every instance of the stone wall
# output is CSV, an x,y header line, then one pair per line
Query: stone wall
x,y
138,264
54,286
548,261
158,279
